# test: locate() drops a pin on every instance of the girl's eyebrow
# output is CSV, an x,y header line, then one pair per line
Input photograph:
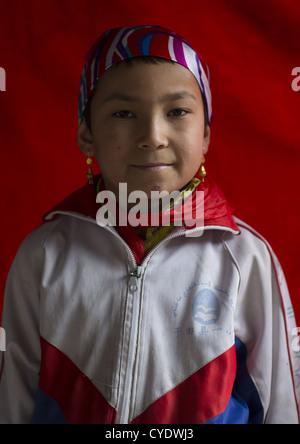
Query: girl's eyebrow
x,y
179,95
166,98
120,96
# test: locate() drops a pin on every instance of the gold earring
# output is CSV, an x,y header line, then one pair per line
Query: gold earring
x,y
90,174
202,172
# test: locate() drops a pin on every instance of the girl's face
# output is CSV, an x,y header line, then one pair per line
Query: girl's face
x,y
147,127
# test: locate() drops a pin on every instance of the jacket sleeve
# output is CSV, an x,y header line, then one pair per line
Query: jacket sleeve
x,y
20,362
265,325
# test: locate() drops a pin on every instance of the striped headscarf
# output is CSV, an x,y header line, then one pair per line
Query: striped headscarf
x,y
124,43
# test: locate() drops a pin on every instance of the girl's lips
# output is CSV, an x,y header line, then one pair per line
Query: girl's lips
x,y
153,166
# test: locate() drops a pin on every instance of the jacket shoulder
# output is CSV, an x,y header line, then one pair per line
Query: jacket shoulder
x,y
34,242
250,243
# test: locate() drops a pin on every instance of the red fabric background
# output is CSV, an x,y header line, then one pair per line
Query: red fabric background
x,y
251,47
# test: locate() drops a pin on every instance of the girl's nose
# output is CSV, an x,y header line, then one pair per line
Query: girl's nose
x,y
152,134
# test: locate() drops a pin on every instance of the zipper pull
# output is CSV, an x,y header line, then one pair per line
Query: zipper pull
x,y
133,279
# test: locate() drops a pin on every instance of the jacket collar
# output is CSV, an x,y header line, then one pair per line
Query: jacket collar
x,y
82,203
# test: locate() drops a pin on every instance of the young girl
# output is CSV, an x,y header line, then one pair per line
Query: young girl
x,y
173,323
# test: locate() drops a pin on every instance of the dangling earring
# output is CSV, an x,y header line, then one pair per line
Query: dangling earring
x,y
202,172
90,174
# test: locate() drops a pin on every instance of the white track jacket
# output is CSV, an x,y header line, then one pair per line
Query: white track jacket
x,y
202,331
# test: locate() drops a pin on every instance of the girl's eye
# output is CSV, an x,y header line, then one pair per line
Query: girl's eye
x,y
178,112
123,114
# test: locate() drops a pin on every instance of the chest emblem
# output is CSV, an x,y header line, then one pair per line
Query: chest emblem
x,y
206,307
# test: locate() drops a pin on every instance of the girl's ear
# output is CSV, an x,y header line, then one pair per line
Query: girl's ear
x,y
206,139
85,139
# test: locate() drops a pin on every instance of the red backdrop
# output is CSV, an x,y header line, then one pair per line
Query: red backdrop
x,y
251,47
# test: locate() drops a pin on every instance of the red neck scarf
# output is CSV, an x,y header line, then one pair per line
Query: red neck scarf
x,y
217,212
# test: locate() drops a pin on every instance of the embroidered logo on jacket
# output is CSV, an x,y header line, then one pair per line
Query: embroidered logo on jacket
x,y
206,307
203,309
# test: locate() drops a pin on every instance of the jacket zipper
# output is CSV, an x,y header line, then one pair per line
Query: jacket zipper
x,y
133,279
133,316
